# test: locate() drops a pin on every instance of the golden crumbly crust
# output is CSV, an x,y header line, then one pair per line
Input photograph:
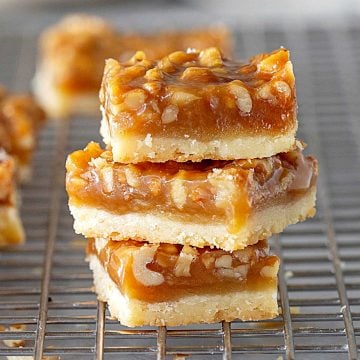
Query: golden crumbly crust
x,y
244,305
73,52
11,231
190,105
20,121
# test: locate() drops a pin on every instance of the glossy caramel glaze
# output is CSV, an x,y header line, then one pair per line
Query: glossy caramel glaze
x,y
196,192
73,51
200,95
165,272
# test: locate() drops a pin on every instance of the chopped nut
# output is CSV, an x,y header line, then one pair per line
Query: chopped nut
x,y
98,162
183,98
148,140
178,193
153,75
198,74
224,186
270,271
134,99
166,65
153,87
154,185
223,261
243,255
208,259
131,175
142,274
210,57
183,263
107,178
169,114
181,57
170,249
283,88
273,62
155,106
264,92
242,96
242,270
238,272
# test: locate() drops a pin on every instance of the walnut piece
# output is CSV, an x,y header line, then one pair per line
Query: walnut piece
x,y
107,178
224,261
183,263
242,97
169,114
210,57
178,193
142,274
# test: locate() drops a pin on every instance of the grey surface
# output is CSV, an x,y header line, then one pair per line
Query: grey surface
x,y
321,268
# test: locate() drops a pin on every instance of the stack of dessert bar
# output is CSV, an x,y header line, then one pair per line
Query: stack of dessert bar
x,y
20,121
72,54
201,167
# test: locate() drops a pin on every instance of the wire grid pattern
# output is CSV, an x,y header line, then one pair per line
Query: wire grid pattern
x,y
46,284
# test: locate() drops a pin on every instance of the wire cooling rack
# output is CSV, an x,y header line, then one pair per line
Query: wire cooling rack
x,y
46,285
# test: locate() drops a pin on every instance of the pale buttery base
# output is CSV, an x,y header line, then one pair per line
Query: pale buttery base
x,y
243,305
157,149
99,223
59,104
11,230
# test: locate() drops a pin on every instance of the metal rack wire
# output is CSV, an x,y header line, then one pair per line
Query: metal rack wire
x,y
46,285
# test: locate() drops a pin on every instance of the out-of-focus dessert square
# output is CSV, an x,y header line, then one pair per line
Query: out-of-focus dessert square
x,y
72,55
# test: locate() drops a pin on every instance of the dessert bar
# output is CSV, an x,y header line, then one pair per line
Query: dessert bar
x,y
148,284
227,204
73,53
198,105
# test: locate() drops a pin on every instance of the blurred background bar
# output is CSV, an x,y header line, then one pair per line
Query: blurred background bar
x,y
26,15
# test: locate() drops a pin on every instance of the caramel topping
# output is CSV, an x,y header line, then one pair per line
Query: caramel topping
x,y
199,93
163,272
204,191
76,48
20,121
